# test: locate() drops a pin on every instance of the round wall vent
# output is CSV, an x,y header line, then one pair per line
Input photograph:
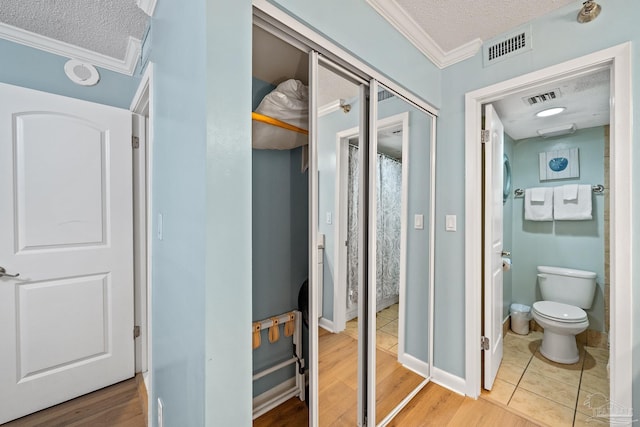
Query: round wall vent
x,y
81,73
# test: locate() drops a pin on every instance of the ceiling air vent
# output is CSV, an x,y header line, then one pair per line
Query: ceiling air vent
x,y
384,94
541,98
504,47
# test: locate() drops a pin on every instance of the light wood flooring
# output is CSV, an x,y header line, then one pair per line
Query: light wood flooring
x,y
120,405
548,392
432,406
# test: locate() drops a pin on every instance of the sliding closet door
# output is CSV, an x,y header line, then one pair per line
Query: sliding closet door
x,y
337,152
401,251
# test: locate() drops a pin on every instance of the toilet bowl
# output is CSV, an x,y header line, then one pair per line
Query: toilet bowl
x,y
565,292
561,323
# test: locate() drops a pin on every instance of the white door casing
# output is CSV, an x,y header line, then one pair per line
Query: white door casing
x,y
66,323
494,152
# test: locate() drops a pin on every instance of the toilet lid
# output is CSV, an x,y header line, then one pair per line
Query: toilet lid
x,y
560,312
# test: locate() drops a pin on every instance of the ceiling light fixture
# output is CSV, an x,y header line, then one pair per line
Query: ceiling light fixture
x,y
81,73
590,11
557,130
550,112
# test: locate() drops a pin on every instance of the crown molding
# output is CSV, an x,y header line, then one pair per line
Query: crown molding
x,y
407,26
125,66
147,6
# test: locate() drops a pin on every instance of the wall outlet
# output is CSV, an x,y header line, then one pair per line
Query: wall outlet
x,y
160,413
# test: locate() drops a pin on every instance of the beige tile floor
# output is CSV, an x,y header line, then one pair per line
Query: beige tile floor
x,y
547,392
386,329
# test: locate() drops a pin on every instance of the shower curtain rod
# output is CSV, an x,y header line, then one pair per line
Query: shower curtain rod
x,y
275,122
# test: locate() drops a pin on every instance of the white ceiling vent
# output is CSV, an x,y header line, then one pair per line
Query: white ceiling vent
x,y
504,47
541,98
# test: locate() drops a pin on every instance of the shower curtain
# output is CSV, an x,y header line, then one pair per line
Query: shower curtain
x,y
389,193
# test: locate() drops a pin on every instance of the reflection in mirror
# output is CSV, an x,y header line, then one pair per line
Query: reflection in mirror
x,y
338,119
402,239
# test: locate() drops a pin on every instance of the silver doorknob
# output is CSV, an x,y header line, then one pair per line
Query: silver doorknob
x,y
3,273
506,253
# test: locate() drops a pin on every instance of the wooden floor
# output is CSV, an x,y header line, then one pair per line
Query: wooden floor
x,y
432,406
121,405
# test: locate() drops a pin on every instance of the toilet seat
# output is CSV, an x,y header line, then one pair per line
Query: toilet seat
x,y
559,312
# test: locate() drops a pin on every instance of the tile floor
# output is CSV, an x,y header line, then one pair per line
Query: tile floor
x,y
386,329
549,392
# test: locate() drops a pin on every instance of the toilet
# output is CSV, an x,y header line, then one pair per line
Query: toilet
x,y
565,293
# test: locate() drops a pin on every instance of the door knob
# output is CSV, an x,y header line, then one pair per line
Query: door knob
x,y
3,273
506,253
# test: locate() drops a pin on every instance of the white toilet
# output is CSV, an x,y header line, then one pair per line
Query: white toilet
x,y
565,292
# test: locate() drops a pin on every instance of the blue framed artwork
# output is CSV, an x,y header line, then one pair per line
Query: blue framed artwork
x,y
559,164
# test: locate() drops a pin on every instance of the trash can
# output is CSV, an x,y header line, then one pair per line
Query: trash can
x,y
520,315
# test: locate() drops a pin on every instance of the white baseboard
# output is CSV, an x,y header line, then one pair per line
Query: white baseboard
x,y
273,397
449,381
415,364
326,324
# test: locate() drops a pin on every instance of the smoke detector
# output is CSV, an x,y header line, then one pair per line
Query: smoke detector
x,y
81,73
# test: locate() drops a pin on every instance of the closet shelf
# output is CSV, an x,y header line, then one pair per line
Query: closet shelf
x,y
275,122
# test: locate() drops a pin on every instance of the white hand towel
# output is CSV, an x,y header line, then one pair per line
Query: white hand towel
x,y
578,209
570,192
538,210
538,194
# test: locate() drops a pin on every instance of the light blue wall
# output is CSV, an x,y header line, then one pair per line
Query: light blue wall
x,y
507,228
280,206
179,194
228,216
357,27
573,244
557,37
35,69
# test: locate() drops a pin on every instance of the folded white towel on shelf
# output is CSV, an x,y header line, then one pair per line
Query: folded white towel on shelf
x,y
570,192
576,209
540,210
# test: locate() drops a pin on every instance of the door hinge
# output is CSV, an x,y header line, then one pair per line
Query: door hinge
x,y
136,331
135,142
484,343
484,136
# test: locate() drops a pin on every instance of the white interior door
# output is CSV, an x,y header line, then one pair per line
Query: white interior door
x,y
66,322
494,152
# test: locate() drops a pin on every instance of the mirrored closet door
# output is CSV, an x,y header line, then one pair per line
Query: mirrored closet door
x,y
400,271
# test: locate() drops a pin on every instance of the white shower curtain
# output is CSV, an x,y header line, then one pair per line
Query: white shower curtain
x,y
389,193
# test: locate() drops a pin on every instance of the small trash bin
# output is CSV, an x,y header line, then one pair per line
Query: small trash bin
x,y
520,315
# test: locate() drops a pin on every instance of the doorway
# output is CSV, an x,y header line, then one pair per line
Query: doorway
x,y
617,59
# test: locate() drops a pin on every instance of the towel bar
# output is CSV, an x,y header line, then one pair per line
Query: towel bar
x,y
598,188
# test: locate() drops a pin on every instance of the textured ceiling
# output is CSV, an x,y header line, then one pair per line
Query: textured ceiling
x,y
102,26
452,23
586,99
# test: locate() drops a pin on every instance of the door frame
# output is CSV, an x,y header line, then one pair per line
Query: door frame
x,y
342,171
618,58
142,106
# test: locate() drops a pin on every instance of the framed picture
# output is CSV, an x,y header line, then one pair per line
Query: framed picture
x,y
559,164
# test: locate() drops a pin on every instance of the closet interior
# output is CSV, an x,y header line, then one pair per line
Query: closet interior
x,y
361,260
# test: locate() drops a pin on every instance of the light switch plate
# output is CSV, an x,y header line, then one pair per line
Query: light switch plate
x,y
160,226
450,223
418,222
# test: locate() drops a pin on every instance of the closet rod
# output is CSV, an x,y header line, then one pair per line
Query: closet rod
x,y
275,122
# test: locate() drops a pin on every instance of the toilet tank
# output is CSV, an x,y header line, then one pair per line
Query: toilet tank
x,y
567,285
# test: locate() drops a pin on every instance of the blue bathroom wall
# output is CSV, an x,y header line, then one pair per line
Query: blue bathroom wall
x,y
507,229
557,37
418,252
573,244
36,69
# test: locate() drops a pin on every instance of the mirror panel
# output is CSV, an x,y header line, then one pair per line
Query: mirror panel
x,y
338,119
400,182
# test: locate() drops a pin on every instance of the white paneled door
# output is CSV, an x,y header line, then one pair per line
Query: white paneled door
x,y
493,244
66,322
